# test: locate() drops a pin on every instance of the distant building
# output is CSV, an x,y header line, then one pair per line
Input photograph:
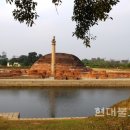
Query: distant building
x,y
15,64
9,65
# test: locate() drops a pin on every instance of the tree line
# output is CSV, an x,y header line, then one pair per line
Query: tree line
x,y
23,60
102,63
28,60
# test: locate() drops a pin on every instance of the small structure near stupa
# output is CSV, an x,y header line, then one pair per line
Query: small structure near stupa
x,y
58,65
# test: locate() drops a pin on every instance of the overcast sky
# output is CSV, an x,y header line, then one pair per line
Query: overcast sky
x,y
113,36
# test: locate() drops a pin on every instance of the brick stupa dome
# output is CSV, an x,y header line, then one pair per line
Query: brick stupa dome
x,y
67,66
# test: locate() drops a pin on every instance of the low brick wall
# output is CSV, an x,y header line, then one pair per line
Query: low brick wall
x,y
41,83
10,115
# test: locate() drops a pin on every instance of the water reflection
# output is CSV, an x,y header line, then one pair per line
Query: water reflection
x,y
52,102
53,94
59,102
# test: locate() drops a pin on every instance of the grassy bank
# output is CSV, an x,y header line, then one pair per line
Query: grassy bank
x,y
91,123
123,103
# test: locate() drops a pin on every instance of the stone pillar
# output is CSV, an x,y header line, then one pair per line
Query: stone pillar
x,y
53,58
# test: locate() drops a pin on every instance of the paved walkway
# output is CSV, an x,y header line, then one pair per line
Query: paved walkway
x,y
101,83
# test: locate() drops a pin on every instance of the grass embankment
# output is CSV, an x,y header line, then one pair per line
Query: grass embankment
x,y
91,123
124,103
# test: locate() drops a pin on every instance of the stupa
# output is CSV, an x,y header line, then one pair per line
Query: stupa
x,y
58,65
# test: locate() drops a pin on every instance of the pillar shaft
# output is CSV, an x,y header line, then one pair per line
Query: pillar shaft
x,y
53,58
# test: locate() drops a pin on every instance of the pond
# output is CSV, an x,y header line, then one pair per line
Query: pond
x,y
40,103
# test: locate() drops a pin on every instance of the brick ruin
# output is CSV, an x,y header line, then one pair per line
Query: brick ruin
x,y
106,74
67,66
12,72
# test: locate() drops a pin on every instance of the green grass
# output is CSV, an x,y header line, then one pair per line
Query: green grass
x,y
91,123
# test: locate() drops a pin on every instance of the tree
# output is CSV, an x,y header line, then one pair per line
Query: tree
x,y
26,60
4,55
3,62
86,14
25,11
3,59
13,60
23,60
32,57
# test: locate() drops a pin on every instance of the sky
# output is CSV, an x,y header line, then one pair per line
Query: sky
x,y
112,42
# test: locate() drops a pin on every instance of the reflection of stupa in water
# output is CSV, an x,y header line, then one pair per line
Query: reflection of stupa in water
x,y
58,65
53,95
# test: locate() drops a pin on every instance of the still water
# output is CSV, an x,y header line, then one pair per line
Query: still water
x,y
59,102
